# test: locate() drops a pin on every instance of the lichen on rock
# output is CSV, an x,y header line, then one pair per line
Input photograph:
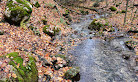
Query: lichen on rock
x,y
17,10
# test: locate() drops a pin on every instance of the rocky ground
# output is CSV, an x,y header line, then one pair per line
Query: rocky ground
x,y
44,47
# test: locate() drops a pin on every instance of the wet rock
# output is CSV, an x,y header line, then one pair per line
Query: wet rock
x,y
71,73
17,11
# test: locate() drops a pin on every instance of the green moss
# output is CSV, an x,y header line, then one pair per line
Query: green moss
x,y
66,11
16,10
123,11
51,33
56,30
95,26
37,5
106,24
31,27
35,30
24,73
46,31
45,28
13,54
112,8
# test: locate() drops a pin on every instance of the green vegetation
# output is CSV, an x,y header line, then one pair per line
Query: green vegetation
x,y
35,30
37,5
26,73
123,11
15,13
95,26
52,32
112,8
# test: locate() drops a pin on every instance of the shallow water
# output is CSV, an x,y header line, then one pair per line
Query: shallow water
x,y
101,61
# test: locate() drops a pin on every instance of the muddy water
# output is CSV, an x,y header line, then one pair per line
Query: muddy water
x,y
101,61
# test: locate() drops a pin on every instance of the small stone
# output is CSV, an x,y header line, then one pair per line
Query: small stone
x,y
71,73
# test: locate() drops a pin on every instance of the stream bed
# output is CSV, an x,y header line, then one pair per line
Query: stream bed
x,y
100,60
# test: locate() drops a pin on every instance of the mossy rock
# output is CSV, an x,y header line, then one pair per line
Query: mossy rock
x,y
17,11
48,32
37,5
26,73
123,11
71,73
95,26
112,8
52,32
35,30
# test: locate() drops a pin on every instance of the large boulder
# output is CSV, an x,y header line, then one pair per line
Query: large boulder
x,y
17,11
